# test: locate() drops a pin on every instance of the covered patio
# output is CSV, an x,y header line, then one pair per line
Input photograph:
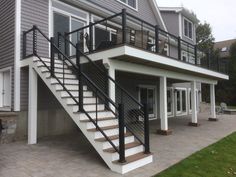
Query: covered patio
x,y
72,155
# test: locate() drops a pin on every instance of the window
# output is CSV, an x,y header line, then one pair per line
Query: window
x,y
130,3
188,29
224,49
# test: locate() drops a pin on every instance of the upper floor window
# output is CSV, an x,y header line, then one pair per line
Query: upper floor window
x,y
188,29
130,3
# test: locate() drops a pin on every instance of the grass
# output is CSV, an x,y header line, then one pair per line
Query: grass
x,y
217,160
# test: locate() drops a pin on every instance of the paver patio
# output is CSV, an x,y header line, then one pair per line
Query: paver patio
x,y
73,156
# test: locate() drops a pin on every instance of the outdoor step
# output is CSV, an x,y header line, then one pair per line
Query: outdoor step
x,y
100,114
48,60
89,108
69,87
116,142
103,128
102,123
100,119
113,137
127,146
56,65
56,70
76,93
60,76
66,81
86,100
133,158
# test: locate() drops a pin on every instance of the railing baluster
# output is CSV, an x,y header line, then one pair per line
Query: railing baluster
x,y
96,109
24,44
80,78
157,38
124,26
52,64
90,37
121,134
146,129
195,55
179,48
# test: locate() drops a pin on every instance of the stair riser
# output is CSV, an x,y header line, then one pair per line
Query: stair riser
x,y
70,87
48,60
107,145
104,123
60,76
57,70
60,66
86,101
128,152
76,94
111,132
90,108
100,115
66,81
133,165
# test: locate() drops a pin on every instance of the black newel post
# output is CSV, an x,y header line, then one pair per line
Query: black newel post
x,y
121,134
52,52
157,38
179,48
124,25
146,130
195,53
81,101
24,44
34,40
90,37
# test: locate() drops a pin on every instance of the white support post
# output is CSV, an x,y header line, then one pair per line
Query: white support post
x,y
112,87
194,121
32,107
163,107
213,104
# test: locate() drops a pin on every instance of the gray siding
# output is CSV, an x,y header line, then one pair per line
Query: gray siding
x,y
7,37
34,12
144,9
172,22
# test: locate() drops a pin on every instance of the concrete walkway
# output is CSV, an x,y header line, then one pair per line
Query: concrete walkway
x,y
73,156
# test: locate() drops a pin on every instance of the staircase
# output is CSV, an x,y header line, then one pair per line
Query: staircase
x,y
99,124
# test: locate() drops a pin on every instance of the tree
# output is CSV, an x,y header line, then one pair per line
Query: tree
x,y
205,39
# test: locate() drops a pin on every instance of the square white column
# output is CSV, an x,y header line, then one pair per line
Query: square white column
x,y
32,106
163,107
213,104
194,120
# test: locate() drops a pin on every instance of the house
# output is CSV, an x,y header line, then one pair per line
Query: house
x,y
107,67
224,48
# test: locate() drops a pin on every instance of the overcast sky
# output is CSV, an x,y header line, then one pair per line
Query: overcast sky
x,y
221,14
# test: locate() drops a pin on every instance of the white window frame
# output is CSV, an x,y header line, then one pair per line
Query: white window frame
x,y
190,38
126,4
171,114
155,98
181,113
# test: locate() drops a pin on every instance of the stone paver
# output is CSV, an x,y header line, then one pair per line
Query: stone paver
x,y
73,156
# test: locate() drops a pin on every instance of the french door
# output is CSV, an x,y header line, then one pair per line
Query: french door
x,y
181,101
5,89
147,96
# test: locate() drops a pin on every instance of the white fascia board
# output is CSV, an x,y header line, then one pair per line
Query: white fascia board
x,y
17,53
151,71
151,57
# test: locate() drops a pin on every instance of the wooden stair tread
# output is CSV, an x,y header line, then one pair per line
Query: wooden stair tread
x,y
127,146
133,158
99,119
103,128
112,137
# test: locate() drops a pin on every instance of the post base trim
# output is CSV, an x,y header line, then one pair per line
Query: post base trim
x,y
164,132
193,124
213,119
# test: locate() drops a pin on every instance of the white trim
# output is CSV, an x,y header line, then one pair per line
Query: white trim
x,y
189,21
126,4
171,114
181,113
17,53
180,26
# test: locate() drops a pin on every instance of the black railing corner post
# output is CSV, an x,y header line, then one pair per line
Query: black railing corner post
x,y
179,48
195,54
157,38
65,43
121,134
208,59
52,54
146,130
124,26
91,37
34,40
24,44
80,78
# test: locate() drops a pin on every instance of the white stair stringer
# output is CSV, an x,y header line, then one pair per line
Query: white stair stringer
x,y
106,118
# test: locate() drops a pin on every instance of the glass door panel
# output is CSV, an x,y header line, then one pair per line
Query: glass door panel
x,y
184,101
61,25
169,102
178,101
147,96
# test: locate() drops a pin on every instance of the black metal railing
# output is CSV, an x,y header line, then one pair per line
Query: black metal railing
x,y
125,28
81,67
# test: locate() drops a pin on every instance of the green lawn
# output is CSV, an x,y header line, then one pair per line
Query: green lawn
x,y
217,160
